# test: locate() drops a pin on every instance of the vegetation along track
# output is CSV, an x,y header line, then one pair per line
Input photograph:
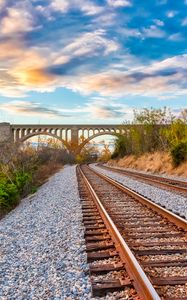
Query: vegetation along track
x,y
178,186
155,236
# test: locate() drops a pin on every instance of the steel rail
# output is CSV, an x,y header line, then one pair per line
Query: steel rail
x,y
140,280
178,221
167,182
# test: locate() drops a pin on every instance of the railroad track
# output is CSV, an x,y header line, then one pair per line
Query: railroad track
x,y
138,246
167,183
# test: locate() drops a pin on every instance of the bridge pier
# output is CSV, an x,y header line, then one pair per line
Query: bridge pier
x,y
74,136
5,133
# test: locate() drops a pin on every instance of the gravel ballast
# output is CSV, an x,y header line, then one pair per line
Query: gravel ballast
x,y
180,178
169,200
42,253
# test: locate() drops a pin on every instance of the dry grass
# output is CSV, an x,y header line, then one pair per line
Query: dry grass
x,y
45,171
158,162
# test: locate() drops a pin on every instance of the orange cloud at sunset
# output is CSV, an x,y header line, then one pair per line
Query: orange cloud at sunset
x,y
34,77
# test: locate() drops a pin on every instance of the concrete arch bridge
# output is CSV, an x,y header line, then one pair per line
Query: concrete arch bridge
x,y
73,137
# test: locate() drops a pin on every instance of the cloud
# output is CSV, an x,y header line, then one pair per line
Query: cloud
x,y
59,5
99,108
28,108
153,32
91,9
38,68
33,77
89,59
150,32
171,13
87,7
90,43
167,76
107,19
119,3
73,67
176,37
102,108
22,69
17,20
158,22
130,32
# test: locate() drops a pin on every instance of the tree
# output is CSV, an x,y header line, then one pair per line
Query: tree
x,y
105,153
88,152
120,146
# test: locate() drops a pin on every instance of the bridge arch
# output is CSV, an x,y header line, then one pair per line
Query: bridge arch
x,y
101,133
26,137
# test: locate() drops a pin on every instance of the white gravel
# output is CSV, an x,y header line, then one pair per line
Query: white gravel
x,y
42,252
169,200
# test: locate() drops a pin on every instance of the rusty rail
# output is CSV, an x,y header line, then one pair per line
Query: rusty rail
x,y
140,280
178,221
177,185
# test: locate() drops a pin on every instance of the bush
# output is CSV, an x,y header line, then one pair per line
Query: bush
x,y
10,192
120,148
179,153
9,195
22,180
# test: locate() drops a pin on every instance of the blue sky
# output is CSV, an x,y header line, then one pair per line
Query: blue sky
x,y
86,61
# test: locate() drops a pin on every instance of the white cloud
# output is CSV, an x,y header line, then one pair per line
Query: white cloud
x,y
25,69
119,3
171,13
176,37
102,108
153,80
90,43
86,6
153,32
172,62
95,109
106,19
27,108
91,9
158,22
130,32
17,20
59,5
108,109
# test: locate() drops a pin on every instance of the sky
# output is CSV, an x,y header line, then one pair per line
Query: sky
x,y
89,61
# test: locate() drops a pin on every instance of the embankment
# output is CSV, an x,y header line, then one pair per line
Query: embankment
x,y
157,162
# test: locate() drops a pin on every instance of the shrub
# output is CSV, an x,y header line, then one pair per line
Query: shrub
x,y
120,147
3,198
9,195
179,152
22,180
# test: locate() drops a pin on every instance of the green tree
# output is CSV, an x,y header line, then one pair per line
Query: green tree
x,y
120,146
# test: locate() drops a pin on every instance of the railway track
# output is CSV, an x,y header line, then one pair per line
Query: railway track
x,y
134,245
167,183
